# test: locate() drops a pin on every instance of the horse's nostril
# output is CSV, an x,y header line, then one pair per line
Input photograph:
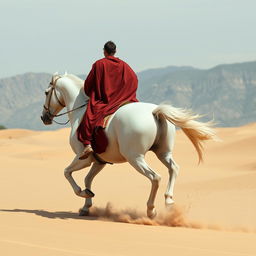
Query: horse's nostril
x,y
46,119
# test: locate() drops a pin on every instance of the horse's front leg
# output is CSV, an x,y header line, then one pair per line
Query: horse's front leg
x,y
96,168
75,166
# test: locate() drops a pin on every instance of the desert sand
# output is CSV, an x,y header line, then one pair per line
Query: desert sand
x,y
215,211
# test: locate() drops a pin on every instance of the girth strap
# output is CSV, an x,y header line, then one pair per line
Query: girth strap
x,y
99,160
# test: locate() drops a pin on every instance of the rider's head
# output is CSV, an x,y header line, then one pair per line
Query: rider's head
x,y
109,49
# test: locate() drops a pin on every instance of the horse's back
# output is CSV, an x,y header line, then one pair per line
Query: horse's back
x,y
135,116
132,129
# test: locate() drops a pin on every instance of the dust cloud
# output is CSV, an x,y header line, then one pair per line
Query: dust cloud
x,y
174,217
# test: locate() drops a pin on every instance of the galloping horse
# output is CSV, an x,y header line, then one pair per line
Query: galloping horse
x,y
132,130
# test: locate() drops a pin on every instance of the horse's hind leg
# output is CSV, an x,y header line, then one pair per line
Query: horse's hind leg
x,y
95,169
167,159
141,166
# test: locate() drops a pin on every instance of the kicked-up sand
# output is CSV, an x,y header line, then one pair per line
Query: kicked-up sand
x,y
215,211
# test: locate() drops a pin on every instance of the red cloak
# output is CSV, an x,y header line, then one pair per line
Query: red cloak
x,y
110,83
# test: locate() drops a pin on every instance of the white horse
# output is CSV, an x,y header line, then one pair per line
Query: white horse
x,y
132,130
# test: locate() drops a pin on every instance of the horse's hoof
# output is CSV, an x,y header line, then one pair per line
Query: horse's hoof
x,y
152,213
84,212
169,202
87,193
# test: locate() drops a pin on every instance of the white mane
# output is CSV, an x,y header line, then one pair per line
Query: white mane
x,y
77,80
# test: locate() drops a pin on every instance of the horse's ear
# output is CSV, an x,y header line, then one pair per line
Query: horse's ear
x,y
53,76
65,73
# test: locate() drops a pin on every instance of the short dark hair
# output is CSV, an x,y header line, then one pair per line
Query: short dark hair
x,y
110,47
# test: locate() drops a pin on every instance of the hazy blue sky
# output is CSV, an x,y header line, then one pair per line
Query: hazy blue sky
x,y
49,36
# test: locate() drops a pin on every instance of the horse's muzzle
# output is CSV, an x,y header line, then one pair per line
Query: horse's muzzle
x,y
46,118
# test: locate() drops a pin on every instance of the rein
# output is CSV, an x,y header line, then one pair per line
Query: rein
x,y
53,90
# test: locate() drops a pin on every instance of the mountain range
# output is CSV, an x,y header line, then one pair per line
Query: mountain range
x,y
226,93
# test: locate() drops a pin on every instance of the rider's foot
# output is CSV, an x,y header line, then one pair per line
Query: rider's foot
x,y
87,151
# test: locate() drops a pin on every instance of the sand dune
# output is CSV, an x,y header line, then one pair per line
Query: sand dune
x,y
214,213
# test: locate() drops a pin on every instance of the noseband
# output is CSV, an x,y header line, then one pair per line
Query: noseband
x,y
53,91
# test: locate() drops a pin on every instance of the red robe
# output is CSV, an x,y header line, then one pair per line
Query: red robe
x,y
110,83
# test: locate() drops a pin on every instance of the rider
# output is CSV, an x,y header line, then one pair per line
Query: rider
x,y
110,84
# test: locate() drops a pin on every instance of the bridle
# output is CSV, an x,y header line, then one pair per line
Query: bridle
x,y
47,108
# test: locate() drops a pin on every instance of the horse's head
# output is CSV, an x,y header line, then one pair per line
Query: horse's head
x,y
54,101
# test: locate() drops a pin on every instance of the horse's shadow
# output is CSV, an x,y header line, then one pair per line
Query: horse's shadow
x,y
52,215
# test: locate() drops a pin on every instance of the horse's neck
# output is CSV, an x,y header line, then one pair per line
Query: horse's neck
x,y
74,97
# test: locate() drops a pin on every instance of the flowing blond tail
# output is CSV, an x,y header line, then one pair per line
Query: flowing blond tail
x,y
196,131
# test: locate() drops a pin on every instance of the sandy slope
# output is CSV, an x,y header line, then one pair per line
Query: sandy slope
x,y
216,201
